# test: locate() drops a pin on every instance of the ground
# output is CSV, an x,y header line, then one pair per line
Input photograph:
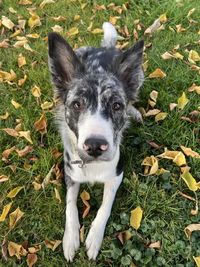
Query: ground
x,y
163,198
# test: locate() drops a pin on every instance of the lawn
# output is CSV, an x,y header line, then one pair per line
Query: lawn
x,y
30,148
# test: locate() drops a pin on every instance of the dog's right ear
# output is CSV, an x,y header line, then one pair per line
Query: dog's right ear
x,y
63,63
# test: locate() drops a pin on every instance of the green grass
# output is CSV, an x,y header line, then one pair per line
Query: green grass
x,y
166,212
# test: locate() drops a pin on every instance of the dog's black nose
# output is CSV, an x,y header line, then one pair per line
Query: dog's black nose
x,y
95,146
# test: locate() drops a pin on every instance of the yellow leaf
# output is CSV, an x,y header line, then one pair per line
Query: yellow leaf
x,y
7,23
36,186
31,259
180,159
191,12
177,55
195,88
16,250
77,17
33,35
193,56
5,211
16,104
26,135
3,178
197,260
46,105
59,18
182,101
113,20
34,20
14,192
190,228
27,47
154,95
161,116
21,60
57,28
152,162
24,2
20,43
11,132
166,56
8,77
73,31
14,217
163,18
5,116
36,91
152,112
97,31
57,195
12,10
85,196
52,244
189,152
46,2
22,81
168,154
190,181
136,217
158,73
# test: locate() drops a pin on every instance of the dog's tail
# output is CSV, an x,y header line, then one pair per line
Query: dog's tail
x,y
110,35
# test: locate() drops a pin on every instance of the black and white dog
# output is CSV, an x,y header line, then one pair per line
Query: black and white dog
x,y
96,88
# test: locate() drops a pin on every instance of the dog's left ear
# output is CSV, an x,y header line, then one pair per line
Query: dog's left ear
x,y
130,69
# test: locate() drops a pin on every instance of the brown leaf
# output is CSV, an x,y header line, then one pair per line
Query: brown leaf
x,y
57,195
53,244
155,245
14,217
36,91
6,153
22,81
31,259
25,2
41,124
4,249
85,196
4,43
23,152
82,234
189,152
190,228
152,112
17,250
124,236
158,73
11,132
194,88
153,28
21,60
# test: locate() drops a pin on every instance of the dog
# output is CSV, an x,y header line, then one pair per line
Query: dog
x,y
95,90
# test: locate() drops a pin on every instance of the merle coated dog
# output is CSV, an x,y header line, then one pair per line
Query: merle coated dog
x,y
96,89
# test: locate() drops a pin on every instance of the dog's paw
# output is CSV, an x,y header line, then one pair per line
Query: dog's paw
x,y
94,240
71,242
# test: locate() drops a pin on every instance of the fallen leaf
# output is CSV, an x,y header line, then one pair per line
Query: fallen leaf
x,y
82,234
4,249
48,177
41,124
6,153
6,22
45,2
21,60
34,249
4,43
77,17
47,105
31,259
172,106
57,28
158,73
177,55
163,18
25,2
34,20
190,228
179,28
153,28
14,217
5,211
5,116
85,196
182,101
155,245
96,31
59,18
161,116
136,217
3,178
22,81
195,88
11,132
179,159
53,244
154,95
124,236
152,112
189,152
167,56
37,186
26,135
73,31
23,152
36,91
16,104
17,250
190,181
57,195
193,56
152,163
33,35
8,76
197,260
14,191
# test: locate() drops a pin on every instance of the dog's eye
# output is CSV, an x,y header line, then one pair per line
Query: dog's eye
x,y
117,106
77,105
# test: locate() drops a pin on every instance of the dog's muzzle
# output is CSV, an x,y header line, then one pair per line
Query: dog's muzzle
x,y
95,147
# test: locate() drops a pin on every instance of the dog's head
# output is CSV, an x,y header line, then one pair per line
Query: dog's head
x,y
96,103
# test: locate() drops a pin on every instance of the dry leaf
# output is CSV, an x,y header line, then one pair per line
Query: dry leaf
x,y
180,159
26,135
182,101
82,234
36,186
73,31
161,116
136,217
5,211
155,245
197,260
85,196
195,88
124,236
190,228
11,132
59,18
177,157
21,60
96,31
158,73
7,77
77,17
167,56
153,28
5,116
163,18
189,152
151,164
14,217
24,2
36,91
6,153
14,191
57,195
31,259
23,152
53,244
152,112
193,56
6,22
172,106
57,28
17,250
190,181
22,81
16,104
154,95
33,35
4,43
3,178
47,105
34,20
46,2
48,177
34,249
41,124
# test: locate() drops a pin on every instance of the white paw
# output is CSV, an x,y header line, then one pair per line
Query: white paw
x,y
71,241
94,240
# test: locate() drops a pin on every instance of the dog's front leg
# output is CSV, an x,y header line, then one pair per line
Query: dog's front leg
x,y
71,235
96,233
